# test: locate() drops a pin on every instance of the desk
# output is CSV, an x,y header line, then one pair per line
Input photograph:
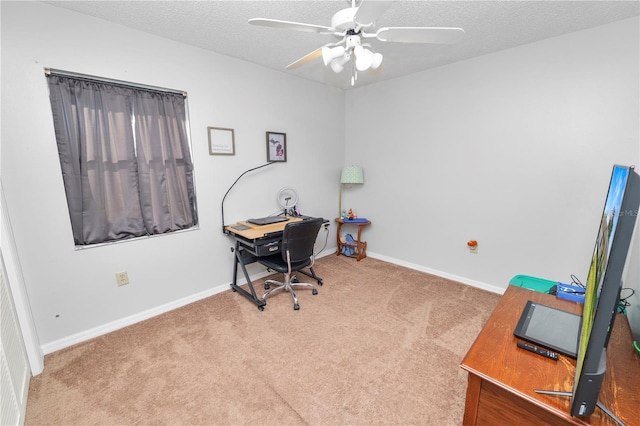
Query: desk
x,y
502,377
253,241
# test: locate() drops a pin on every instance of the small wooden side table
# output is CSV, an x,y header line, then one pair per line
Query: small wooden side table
x,y
360,246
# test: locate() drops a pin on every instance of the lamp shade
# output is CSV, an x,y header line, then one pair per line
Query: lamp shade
x,y
352,174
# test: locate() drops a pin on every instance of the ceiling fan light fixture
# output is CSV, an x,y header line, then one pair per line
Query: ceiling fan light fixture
x,y
364,58
331,53
377,60
337,65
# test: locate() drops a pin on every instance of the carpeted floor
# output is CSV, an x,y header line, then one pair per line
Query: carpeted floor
x,y
379,344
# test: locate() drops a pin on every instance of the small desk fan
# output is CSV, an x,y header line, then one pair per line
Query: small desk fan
x,y
288,199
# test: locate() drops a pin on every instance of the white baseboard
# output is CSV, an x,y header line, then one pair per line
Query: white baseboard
x,y
463,280
92,333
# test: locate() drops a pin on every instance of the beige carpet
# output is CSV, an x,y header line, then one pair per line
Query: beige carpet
x,y
379,344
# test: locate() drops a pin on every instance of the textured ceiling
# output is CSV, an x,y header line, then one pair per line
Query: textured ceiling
x,y
221,26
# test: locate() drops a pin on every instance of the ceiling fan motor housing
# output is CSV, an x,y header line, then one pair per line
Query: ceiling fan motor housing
x,y
352,41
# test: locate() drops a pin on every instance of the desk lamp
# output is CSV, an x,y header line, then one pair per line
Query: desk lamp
x,y
350,174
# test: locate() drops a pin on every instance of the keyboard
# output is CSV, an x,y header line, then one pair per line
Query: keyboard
x,y
267,220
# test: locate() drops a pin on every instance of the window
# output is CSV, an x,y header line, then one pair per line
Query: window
x,y
125,158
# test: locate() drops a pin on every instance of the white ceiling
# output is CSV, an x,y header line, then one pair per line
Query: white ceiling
x,y
221,26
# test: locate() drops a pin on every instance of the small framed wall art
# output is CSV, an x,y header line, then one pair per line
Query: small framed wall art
x,y
221,141
276,146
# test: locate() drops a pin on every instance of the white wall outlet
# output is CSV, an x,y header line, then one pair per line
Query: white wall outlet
x,y
122,278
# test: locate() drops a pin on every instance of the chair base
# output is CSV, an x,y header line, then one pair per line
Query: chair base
x,y
288,285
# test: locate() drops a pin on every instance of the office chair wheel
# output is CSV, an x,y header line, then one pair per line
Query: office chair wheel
x,y
261,308
320,282
314,292
296,307
295,279
267,286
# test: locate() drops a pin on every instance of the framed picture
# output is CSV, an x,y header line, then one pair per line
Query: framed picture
x,y
276,146
221,141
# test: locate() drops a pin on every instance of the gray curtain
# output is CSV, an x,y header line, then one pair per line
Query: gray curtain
x,y
164,163
125,159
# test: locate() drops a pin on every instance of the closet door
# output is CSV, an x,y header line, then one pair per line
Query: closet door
x,y
15,372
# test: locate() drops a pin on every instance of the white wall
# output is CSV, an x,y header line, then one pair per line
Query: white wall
x,y
73,293
513,149
633,282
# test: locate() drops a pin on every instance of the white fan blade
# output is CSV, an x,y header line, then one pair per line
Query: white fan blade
x,y
306,59
275,23
369,11
441,35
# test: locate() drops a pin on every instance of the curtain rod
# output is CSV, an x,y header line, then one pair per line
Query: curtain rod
x,y
52,71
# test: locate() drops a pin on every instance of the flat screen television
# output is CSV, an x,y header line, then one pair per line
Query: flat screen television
x,y
587,339
603,286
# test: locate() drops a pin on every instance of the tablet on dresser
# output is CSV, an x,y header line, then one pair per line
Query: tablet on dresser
x,y
552,328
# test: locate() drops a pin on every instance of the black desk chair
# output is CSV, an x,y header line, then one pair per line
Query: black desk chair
x,y
298,240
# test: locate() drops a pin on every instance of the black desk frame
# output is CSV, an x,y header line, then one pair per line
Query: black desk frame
x,y
246,252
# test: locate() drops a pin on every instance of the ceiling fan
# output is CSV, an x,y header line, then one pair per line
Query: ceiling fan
x,y
352,26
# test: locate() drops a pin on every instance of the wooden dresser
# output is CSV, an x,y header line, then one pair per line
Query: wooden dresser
x,y
503,377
